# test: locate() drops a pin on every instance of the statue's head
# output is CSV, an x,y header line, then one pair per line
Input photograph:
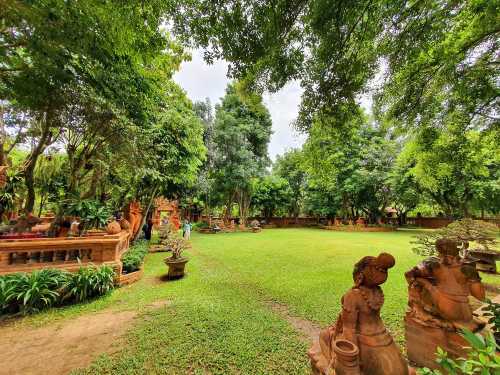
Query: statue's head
x,y
372,271
448,249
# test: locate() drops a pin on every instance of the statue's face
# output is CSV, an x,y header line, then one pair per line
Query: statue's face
x,y
374,275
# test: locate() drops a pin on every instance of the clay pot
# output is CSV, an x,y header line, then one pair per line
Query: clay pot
x,y
347,358
124,224
113,227
176,267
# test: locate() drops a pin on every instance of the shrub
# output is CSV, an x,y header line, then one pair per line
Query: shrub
x,y
134,257
482,358
89,282
492,312
34,291
5,294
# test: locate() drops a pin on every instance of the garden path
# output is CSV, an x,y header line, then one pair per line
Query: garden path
x,y
66,345
61,347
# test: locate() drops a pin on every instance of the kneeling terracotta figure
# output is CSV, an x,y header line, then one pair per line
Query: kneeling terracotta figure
x,y
438,301
358,343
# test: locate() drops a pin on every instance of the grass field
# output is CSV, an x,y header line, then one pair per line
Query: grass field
x,y
218,319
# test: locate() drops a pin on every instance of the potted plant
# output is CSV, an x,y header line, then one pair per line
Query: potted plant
x,y
176,263
466,231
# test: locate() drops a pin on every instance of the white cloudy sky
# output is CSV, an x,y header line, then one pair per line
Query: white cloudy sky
x,y
201,81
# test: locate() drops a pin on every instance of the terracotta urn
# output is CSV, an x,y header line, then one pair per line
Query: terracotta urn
x,y
176,267
347,355
113,227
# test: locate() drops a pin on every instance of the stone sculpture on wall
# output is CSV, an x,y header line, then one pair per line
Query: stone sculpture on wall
x,y
438,292
358,343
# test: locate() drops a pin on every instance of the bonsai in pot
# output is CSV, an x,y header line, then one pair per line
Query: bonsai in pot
x,y
177,262
481,234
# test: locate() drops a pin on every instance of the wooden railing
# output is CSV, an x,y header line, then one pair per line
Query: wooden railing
x,y
25,255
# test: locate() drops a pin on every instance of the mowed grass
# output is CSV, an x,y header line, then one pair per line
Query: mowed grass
x,y
218,318
310,269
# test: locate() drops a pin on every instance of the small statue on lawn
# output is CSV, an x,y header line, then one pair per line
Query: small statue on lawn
x,y
439,290
358,343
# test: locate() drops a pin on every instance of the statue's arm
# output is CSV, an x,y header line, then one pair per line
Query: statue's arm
x,y
476,287
350,314
477,290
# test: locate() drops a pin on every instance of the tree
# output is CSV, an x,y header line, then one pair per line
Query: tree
x,y
50,50
352,166
405,193
290,167
439,58
242,131
205,177
271,194
455,167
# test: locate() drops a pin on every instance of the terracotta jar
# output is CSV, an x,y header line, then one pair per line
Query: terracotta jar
x,y
347,358
113,227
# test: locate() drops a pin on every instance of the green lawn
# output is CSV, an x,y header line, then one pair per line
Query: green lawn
x,y
219,321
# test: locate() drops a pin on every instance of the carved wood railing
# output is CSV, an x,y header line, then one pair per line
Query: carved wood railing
x,y
24,255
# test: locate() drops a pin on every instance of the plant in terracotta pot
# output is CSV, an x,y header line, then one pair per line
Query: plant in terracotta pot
x,y
177,262
481,234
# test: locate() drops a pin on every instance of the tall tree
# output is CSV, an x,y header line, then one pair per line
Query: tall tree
x,y
352,165
290,167
48,48
242,133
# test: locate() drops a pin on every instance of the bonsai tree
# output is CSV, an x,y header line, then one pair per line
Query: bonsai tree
x,y
255,224
177,246
463,231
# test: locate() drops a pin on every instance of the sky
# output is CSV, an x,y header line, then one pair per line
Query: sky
x,y
201,81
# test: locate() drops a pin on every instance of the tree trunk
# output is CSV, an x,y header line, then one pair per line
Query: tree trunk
x,y
3,138
146,213
30,164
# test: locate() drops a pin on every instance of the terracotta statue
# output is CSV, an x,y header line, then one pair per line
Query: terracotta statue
x,y
358,343
438,290
134,217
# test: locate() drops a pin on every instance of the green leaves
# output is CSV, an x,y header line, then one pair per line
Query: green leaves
x,y
89,282
134,257
482,359
30,293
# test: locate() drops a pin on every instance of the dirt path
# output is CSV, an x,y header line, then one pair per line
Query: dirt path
x,y
309,330
62,347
